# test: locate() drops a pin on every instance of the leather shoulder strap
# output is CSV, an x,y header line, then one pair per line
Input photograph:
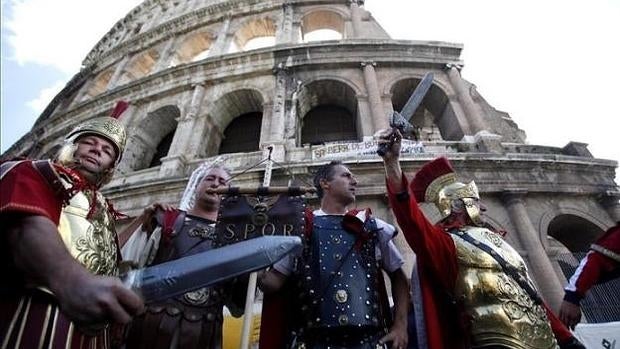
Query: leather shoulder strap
x,y
508,268
46,169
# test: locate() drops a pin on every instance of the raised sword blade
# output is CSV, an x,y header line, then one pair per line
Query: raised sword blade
x,y
172,278
417,96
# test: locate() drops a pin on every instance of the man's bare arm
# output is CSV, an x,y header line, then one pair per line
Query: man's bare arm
x,y
39,253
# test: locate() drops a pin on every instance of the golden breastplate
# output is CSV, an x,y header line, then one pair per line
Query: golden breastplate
x,y
92,242
499,310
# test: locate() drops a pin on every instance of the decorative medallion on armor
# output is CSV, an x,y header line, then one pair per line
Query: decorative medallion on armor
x,y
500,311
340,278
91,241
191,235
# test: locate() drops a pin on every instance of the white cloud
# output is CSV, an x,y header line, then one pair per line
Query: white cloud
x,y
549,64
45,97
60,33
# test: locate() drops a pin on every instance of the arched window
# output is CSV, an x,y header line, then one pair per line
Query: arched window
x,y
162,149
328,123
434,106
140,66
329,110
242,134
192,49
253,35
574,232
99,85
151,140
322,25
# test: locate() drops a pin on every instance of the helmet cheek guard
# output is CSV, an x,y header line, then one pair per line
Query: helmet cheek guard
x,y
436,182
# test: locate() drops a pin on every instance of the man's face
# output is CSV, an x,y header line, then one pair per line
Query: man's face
x,y
94,153
215,178
341,187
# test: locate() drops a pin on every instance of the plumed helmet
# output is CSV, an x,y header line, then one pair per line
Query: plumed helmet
x,y
436,182
108,127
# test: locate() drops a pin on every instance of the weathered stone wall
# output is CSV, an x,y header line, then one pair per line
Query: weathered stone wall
x,y
184,68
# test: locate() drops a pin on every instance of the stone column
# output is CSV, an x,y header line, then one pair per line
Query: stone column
x,y
277,121
220,46
365,121
474,114
296,32
379,117
186,132
356,18
166,53
198,137
118,72
541,268
285,30
610,200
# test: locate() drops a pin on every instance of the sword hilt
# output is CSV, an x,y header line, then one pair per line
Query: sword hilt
x,y
383,148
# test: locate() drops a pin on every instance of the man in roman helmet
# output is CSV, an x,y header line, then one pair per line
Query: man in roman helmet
x,y
473,287
59,249
193,319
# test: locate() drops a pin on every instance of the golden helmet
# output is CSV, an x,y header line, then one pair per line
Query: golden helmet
x,y
108,127
436,182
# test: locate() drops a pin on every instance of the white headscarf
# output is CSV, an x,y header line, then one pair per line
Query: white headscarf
x,y
188,200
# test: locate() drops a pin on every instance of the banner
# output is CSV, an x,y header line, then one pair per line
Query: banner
x,y
362,149
243,217
599,336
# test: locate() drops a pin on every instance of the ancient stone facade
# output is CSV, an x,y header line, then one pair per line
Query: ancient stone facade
x,y
315,79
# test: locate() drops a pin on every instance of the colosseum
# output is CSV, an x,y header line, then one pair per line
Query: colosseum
x,y
314,80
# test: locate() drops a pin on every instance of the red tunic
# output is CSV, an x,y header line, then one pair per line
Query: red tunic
x,y
601,264
437,266
31,318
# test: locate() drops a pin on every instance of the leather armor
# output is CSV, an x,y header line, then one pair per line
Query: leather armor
x,y
338,279
195,317
499,311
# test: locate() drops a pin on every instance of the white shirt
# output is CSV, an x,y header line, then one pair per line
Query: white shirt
x,y
385,250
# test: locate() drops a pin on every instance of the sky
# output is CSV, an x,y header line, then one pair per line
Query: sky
x,y
552,65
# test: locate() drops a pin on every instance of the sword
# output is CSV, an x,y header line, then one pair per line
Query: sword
x,y
400,120
175,277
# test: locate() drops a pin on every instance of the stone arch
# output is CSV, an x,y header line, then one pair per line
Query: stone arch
x,y
254,33
194,47
322,24
329,112
574,231
238,114
152,137
99,84
435,117
139,66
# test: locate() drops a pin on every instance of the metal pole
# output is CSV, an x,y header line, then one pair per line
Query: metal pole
x,y
249,296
